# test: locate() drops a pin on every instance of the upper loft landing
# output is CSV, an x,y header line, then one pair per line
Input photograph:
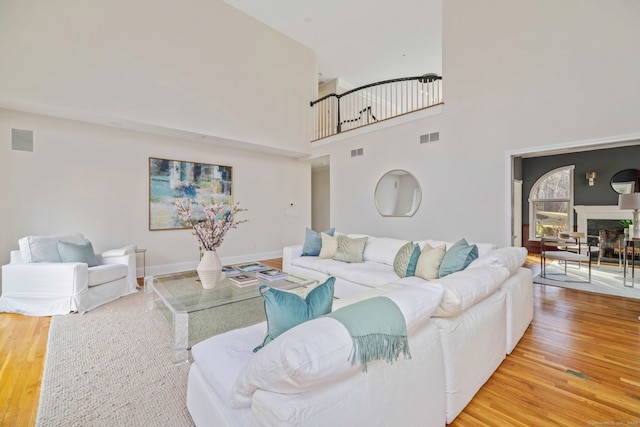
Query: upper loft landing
x,y
373,103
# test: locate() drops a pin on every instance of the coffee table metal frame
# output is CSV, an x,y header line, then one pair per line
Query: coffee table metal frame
x,y
184,297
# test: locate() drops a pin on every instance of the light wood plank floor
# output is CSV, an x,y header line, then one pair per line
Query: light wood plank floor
x,y
577,365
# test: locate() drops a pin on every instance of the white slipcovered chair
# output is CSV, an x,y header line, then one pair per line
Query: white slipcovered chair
x,y
52,275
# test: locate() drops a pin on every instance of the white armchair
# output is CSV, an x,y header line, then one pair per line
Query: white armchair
x,y
36,282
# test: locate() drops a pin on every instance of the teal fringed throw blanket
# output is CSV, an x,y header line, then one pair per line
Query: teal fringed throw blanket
x,y
378,330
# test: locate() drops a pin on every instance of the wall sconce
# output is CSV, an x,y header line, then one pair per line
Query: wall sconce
x,y
591,177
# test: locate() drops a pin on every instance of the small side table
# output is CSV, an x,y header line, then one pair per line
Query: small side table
x,y
633,243
144,261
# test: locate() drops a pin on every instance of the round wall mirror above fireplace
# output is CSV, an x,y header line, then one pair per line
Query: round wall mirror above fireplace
x,y
626,181
397,194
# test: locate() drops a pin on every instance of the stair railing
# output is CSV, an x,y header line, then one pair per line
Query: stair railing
x,y
364,105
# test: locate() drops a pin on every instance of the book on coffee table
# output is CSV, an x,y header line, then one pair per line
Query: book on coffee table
x,y
230,271
300,280
271,275
243,280
252,267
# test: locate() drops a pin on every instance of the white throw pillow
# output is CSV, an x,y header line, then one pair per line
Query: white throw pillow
x,y
329,246
429,262
382,249
45,248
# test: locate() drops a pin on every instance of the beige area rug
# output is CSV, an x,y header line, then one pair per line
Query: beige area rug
x,y
112,366
605,279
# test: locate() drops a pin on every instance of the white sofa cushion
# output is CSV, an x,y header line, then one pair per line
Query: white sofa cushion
x,y
101,274
45,248
511,258
232,350
315,263
371,274
473,346
382,249
315,353
464,289
483,248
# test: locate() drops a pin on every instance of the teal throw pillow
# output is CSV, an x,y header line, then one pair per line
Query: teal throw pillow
x,y
413,261
77,252
457,257
406,259
284,310
313,242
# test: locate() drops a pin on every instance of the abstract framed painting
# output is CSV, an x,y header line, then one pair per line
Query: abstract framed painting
x,y
172,180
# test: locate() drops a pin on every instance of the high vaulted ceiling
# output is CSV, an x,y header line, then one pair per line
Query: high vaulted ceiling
x,y
359,41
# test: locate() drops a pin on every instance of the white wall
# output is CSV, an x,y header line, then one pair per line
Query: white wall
x,y
321,200
354,179
197,65
517,75
95,180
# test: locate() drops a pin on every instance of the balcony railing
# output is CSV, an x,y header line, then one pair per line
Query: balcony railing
x,y
374,102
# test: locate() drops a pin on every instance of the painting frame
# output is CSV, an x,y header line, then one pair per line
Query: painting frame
x,y
172,180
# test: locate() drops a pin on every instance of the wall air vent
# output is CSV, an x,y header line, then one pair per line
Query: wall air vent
x,y
430,137
357,152
22,140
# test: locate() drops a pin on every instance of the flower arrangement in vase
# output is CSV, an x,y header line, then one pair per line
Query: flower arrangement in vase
x,y
217,220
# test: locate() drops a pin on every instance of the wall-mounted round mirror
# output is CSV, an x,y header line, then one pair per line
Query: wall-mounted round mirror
x,y
398,194
626,181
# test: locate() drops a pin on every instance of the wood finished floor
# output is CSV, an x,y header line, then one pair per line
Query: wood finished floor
x,y
578,364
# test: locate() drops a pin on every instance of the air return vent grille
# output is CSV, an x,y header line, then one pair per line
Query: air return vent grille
x,y
21,140
430,137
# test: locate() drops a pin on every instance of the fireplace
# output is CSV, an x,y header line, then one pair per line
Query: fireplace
x,y
604,222
610,233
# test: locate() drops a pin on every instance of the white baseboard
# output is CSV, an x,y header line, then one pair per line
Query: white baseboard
x,y
154,270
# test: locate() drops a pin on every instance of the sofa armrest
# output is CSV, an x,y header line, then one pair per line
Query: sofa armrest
x,y
289,253
129,260
15,257
43,278
117,252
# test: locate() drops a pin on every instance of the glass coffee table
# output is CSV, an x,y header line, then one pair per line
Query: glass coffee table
x,y
188,313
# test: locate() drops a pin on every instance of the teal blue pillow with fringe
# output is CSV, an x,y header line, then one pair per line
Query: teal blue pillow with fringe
x,y
284,310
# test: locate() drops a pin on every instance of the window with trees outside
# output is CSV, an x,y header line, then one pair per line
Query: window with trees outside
x,y
551,203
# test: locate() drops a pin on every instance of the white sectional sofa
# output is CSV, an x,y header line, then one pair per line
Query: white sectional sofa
x,y
460,328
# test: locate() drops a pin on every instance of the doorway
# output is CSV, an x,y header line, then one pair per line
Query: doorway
x,y
320,194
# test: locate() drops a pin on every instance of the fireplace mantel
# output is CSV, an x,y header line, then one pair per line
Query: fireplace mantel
x,y
599,212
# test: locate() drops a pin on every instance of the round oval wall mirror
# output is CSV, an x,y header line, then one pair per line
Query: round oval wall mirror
x,y
626,181
397,194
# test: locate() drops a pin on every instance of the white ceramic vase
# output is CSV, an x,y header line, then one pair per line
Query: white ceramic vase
x,y
210,270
